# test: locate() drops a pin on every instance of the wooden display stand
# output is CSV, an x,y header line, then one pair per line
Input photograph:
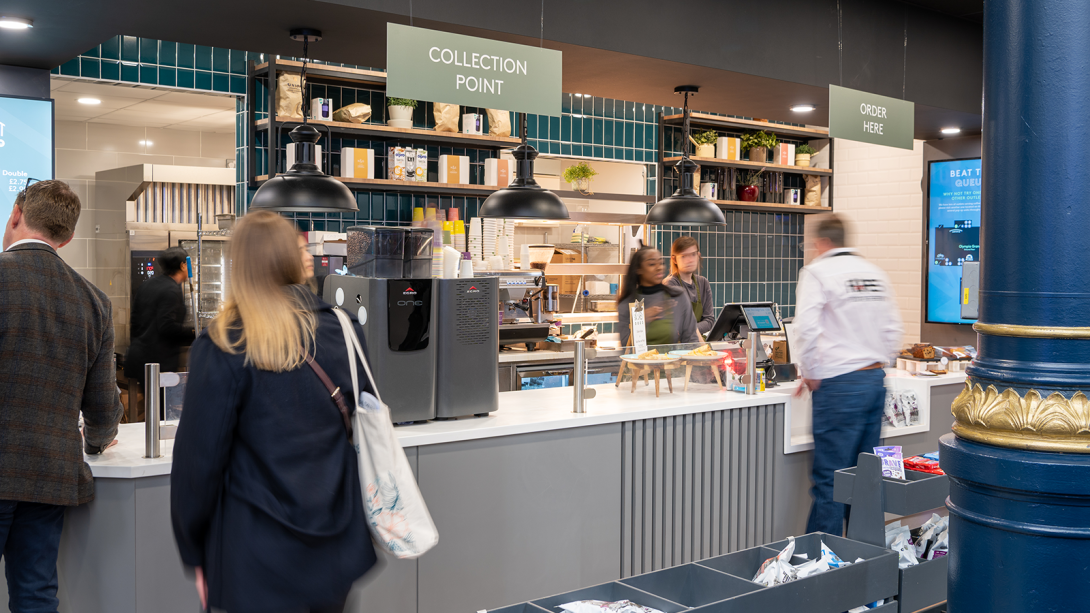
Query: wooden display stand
x,y
690,364
645,371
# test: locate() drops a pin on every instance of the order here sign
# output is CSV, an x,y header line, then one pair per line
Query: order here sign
x,y
870,118
434,66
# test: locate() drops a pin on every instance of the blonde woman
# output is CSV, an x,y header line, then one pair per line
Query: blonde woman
x,y
265,494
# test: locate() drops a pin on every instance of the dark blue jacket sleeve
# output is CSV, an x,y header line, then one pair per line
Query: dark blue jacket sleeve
x,y
202,447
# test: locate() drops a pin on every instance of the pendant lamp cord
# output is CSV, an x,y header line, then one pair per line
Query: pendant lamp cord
x,y
303,80
685,138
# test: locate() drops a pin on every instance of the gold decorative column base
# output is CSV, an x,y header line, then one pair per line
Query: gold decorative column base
x,y
1053,423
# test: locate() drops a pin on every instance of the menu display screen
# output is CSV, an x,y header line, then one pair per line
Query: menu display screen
x,y
761,319
26,146
953,234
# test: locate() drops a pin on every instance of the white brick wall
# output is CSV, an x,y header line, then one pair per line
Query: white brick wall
x,y
877,190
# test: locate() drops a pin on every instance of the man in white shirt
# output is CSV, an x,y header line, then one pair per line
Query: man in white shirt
x,y
848,327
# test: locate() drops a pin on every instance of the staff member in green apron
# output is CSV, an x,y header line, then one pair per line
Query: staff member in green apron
x,y
668,318
684,264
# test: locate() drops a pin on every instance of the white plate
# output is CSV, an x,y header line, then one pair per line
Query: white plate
x,y
684,354
632,359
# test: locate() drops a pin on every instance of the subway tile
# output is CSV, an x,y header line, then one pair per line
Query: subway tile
x,y
221,60
130,73
111,49
130,49
221,82
168,53
202,80
168,76
149,51
90,68
185,78
149,75
70,68
186,56
202,57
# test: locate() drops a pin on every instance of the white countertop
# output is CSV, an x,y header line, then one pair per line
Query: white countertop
x,y
531,411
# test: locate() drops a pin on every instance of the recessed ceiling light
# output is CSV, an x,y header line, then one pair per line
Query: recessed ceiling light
x,y
15,23
146,142
951,130
89,101
803,108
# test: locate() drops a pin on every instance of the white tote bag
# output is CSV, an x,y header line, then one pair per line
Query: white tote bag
x,y
399,520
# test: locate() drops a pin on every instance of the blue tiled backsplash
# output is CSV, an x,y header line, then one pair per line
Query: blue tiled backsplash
x,y
756,256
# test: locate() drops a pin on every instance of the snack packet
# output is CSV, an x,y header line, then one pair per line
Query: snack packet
x,y
928,534
778,570
600,606
941,546
892,462
906,553
893,417
923,465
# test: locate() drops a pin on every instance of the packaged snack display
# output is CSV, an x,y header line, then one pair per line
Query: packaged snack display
x,y
923,465
892,462
599,606
779,569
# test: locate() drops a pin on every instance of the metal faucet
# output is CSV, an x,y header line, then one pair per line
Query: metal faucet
x,y
582,392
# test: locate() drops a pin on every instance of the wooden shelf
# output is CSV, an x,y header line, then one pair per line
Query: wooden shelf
x,y
715,121
341,73
586,269
597,196
579,217
420,187
800,170
770,207
387,132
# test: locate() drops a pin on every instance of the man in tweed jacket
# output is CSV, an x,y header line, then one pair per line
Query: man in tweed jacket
x,y
56,359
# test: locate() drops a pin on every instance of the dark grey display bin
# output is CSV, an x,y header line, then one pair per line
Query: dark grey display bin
x,y
692,585
871,496
834,591
610,592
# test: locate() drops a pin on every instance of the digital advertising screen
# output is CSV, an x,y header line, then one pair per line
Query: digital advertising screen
x,y
953,196
26,146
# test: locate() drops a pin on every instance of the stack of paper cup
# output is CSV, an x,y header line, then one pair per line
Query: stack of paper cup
x,y
473,241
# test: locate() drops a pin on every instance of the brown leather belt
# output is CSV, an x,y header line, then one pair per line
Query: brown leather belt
x,y
874,366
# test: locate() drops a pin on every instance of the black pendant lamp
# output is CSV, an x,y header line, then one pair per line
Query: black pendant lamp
x,y
685,207
304,188
524,198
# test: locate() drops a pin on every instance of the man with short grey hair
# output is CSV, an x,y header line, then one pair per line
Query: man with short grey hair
x,y
847,328
56,360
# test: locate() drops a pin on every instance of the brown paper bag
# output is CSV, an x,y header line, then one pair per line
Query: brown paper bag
x,y
446,117
289,96
353,113
813,191
499,123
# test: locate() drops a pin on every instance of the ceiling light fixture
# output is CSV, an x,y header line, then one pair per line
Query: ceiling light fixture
x,y
951,130
685,206
524,198
89,101
304,188
15,23
803,108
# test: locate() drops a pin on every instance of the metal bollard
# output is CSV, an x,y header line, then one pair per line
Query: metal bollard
x,y
151,411
581,393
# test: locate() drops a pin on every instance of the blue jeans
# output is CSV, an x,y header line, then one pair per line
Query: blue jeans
x,y
847,420
30,536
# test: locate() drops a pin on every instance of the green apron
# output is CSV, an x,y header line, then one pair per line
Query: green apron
x,y
661,331
698,304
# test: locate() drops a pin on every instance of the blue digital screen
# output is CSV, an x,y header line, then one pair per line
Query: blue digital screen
x,y
26,147
953,234
761,319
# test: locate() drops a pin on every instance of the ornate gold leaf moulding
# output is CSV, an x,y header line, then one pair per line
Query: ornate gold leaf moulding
x,y
1006,419
1032,331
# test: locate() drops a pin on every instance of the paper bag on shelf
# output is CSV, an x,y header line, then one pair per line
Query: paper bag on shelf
x,y
357,112
499,123
289,96
446,116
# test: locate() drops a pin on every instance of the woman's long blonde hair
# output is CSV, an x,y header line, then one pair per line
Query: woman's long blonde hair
x,y
268,321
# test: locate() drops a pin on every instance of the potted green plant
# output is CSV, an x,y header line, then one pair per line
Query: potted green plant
x,y
400,110
802,155
705,143
579,175
749,190
758,144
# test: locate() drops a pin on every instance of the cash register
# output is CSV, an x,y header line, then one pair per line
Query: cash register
x,y
738,319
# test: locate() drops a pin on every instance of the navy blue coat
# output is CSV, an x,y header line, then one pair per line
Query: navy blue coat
x,y
265,492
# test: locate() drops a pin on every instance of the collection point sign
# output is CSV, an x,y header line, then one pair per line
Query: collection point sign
x,y
438,66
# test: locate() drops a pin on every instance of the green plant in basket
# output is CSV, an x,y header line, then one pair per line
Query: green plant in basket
x,y
709,137
759,139
805,149
409,102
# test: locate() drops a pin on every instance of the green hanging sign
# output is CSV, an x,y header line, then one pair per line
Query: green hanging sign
x,y
870,118
443,67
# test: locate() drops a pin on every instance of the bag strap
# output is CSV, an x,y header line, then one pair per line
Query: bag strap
x,y
352,342
334,393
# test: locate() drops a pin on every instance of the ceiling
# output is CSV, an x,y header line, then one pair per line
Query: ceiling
x,y
973,10
142,106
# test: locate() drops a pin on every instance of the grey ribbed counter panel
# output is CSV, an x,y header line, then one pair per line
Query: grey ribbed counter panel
x,y
696,486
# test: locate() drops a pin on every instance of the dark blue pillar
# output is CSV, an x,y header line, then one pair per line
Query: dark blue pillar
x,y
1020,464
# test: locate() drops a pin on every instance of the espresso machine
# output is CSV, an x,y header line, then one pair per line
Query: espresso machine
x,y
527,299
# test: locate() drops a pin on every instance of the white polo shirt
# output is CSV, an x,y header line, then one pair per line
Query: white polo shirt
x,y
846,317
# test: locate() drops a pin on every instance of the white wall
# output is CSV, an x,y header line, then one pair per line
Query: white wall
x,y
878,191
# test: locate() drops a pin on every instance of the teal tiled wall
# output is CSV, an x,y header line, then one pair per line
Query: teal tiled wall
x,y
756,256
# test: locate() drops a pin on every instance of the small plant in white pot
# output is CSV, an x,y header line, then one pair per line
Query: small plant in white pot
x,y
705,143
400,109
579,175
803,154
